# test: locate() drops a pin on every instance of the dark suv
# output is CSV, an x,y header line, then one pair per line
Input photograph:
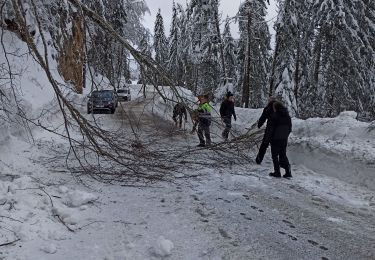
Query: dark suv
x,y
102,100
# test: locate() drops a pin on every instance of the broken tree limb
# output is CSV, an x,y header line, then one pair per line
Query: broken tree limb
x,y
10,243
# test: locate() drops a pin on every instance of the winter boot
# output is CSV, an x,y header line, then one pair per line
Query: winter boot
x,y
201,145
275,174
288,172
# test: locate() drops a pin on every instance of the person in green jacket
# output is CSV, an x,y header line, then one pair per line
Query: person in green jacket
x,y
204,114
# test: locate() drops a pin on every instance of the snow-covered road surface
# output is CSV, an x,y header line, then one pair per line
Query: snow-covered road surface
x,y
225,212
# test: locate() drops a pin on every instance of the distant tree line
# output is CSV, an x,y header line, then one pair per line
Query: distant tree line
x,y
323,61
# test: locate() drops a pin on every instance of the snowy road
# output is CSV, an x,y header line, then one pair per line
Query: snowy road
x,y
233,212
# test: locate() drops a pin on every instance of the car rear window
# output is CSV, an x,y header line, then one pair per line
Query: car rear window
x,y
102,94
123,91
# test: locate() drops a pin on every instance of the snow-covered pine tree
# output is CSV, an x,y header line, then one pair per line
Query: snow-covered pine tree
x,y
173,60
366,21
105,55
323,62
204,48
185,51
282,79
216,19
160,44
229,52
254,53
146,76
346,70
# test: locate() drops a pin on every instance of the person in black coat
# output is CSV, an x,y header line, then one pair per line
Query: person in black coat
x,y
280,126
226,113
266,116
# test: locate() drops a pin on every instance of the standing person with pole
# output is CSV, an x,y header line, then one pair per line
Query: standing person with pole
x,y
266,116
280,127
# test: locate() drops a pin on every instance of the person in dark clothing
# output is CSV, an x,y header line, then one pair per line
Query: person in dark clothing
x,y
266,116
226,113
280,126
179,111
204,115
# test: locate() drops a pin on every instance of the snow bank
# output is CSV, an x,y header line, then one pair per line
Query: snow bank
x,y
343,135
341,147
29,84
35,214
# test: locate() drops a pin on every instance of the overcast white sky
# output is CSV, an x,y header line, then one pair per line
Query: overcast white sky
x,y
227,7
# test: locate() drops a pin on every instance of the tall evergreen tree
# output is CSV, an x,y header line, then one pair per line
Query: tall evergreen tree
x,y
291,28
204,47
229,52
347,55
105,55
185,50
174,53
145,49
323,62
160,41
254,53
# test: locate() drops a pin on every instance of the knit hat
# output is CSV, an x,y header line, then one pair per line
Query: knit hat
x,y
229,94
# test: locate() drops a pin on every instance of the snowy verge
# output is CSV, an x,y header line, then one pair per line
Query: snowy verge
x,y
341,147
35,213
342,135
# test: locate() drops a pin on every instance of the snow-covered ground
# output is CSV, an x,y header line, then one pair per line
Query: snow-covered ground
x,y
236,212
226,210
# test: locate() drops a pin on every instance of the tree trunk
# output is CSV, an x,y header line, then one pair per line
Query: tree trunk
x,y
246,80
297,66
318,55
272,76
221,47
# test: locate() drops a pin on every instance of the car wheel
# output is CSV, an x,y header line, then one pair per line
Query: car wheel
x,y
113,111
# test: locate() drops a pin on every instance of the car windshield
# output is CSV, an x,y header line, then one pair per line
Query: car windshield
x,y
102,94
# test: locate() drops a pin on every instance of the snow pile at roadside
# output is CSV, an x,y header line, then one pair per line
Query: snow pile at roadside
x,y
37,216
343,135
34,213
341,147
30,86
